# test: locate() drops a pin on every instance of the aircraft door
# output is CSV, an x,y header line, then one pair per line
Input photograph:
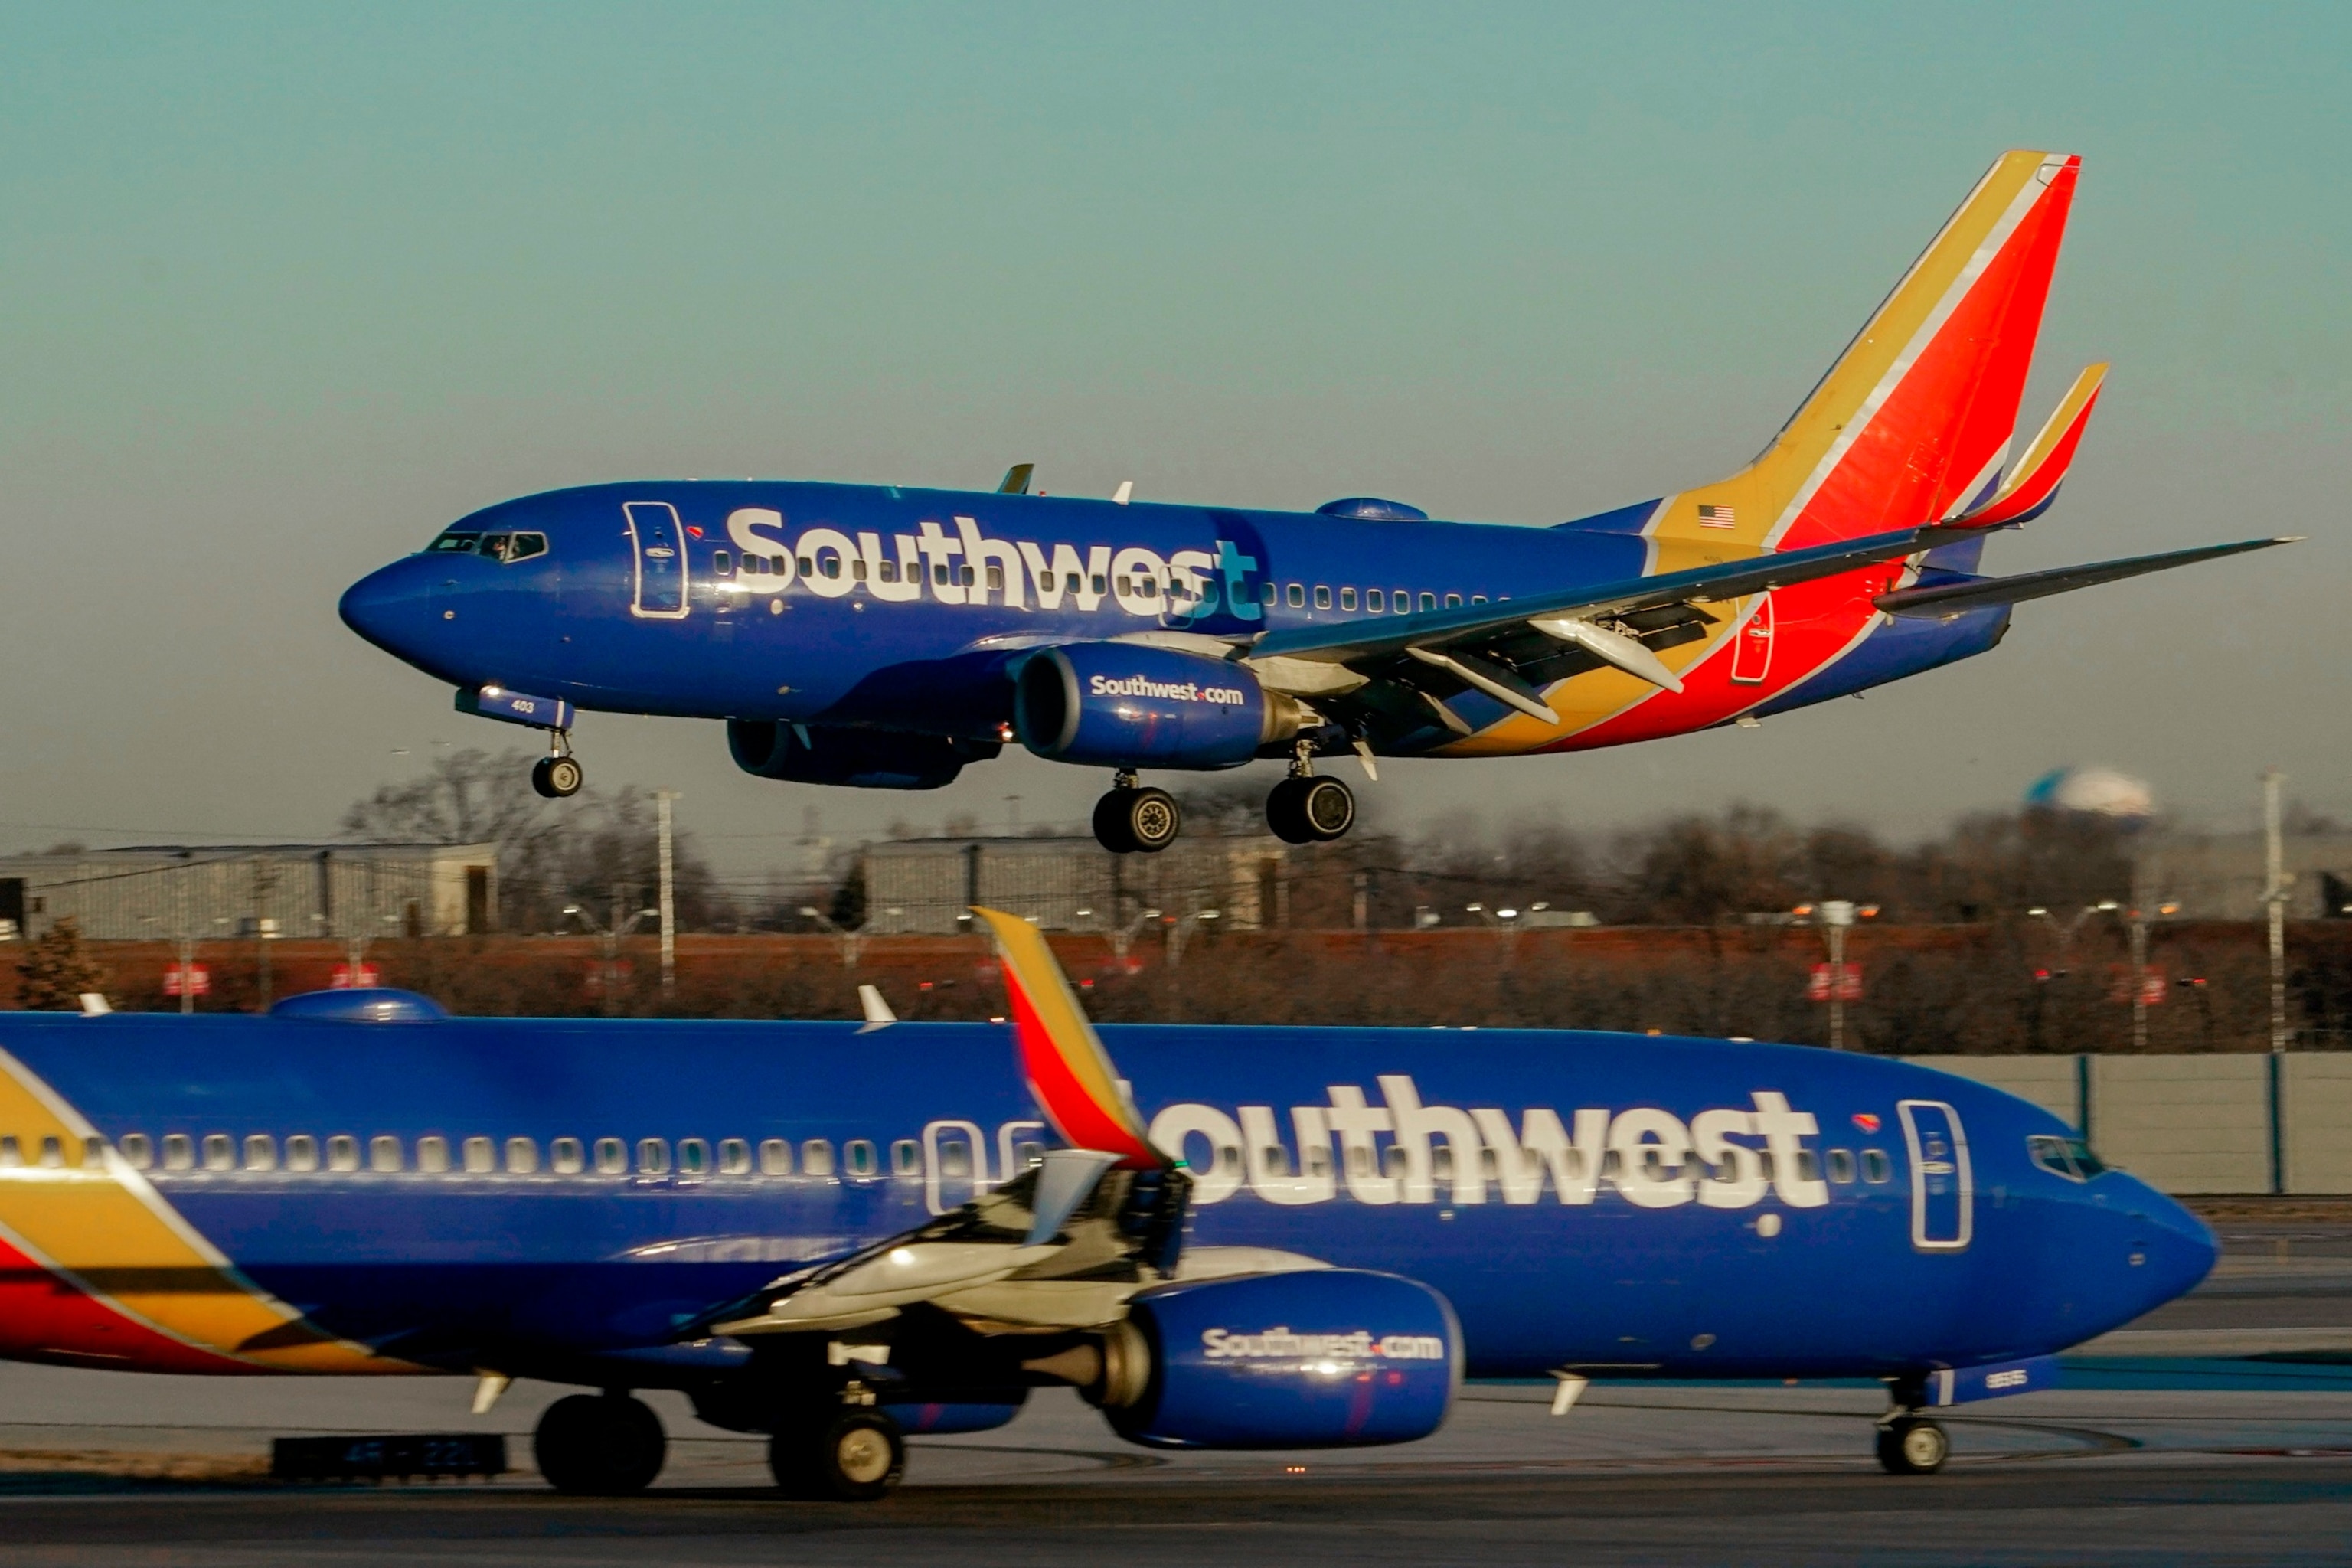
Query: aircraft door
x,y
659,545
1943,1196
1751,646
955,1165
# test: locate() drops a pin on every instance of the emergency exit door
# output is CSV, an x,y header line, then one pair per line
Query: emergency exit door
x,y
659,545
1943,1194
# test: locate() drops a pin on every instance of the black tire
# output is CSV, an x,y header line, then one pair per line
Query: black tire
x,y
1910,1446
845,1456
1110,822
557,778
1328,808
1153,819
599,1445
1286,811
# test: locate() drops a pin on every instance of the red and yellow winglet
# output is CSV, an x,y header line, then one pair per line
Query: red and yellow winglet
x,y
2033,484
1067,1069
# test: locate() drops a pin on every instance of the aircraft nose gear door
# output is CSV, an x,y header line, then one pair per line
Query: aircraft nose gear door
x,y
1943,1195
660,546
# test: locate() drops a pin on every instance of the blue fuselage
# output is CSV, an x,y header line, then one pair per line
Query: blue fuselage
x,y
1731,1210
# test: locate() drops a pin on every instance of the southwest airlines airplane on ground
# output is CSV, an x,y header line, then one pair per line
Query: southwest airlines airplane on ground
x,y
885,638
1262,1238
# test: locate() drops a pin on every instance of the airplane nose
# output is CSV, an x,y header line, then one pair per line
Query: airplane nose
x,y
2173,1250
391,607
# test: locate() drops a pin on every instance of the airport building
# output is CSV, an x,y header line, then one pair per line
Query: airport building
x,y
924,885
187,891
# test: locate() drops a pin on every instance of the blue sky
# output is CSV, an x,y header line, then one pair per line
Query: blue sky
x,y
286,288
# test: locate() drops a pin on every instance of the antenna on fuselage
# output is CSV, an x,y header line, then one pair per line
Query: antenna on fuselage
x,y
1016,480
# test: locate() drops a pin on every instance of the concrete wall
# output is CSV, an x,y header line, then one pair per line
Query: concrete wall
x,y
2315,1105
2054,1083
2186,1124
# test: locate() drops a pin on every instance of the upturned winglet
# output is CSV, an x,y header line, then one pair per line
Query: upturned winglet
x,y
1063,1060
2029,488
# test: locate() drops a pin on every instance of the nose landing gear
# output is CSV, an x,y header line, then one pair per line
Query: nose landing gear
x,y
1132,819
1305,810
558,775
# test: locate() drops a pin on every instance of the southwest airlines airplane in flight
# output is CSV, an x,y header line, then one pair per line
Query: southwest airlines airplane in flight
x,y
887,637
1256,1238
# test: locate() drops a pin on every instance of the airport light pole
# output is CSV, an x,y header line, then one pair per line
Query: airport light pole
x,y
667,903
1837,917
850,941
2275,882
612,934
1505,923
1181,926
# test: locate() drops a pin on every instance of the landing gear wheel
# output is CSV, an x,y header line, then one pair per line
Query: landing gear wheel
x,y
1911,1445
599,1445
1131,820
557,777
1305,810
849,1455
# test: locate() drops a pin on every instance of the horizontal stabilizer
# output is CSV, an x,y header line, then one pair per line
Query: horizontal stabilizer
x,y
1939,601
2033,484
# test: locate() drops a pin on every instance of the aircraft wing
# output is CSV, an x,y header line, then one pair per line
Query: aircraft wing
x,y
1937,601
1378,636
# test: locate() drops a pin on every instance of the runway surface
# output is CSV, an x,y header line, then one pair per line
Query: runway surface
x,y
2144,1458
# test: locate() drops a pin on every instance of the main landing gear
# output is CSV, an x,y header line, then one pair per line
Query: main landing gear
x,y
558,775
1305,810
600,1445
1911,1446
1133,818
837,1454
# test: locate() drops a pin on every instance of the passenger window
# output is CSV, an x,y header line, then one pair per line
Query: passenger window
x,y
776,1157
1147,587
260,1153
1071,584
693,1157
1319,1160
859,1159
1809,1165
653,1157
11,1153
432,1156
722,565
612,1157
816,1157
830,565
301,1153
53,1154
481,1156
1842,1166
93,1153
342,1153
1453,601
1874,1167
566,1158
955,1158
137,1153
966,576
1441,1162
996,577
523,1156
1392,1161
804,565
1098,583
1126,587
1401,602
891,572
1296,593
905,1157
1360,1160
1322,597
857,569
384,1153
1429,601
1269,593
220,1152
1346,598
1376,601
734,1157
1477,598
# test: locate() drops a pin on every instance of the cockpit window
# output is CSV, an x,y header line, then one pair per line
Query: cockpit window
x,y
511,548
456,542
2068,1157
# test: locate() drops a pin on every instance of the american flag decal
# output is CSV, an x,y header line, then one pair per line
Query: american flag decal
x,y
1717,517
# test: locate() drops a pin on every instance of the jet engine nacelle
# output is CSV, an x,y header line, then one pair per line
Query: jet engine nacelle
x,y
1132,705
863,759
1326,1358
